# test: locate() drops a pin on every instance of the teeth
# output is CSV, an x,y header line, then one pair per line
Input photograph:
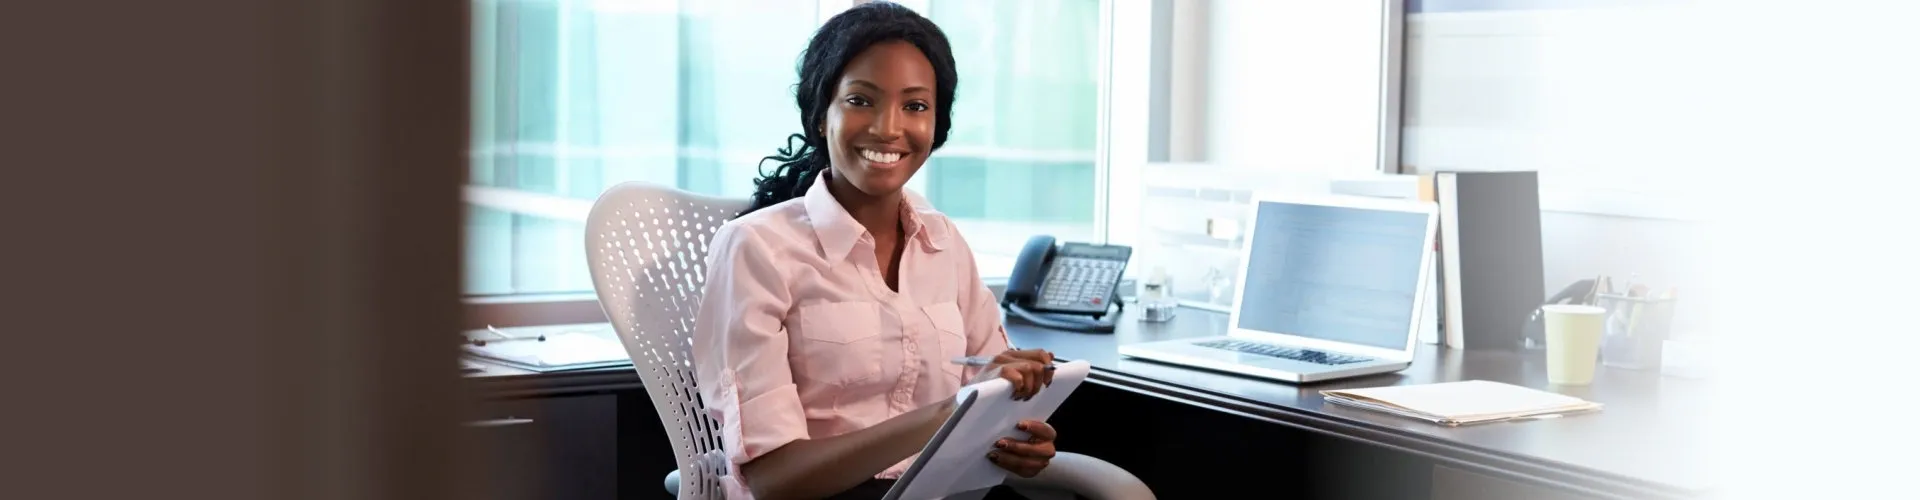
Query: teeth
x,y
879,157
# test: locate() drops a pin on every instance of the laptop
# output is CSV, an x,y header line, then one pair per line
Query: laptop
x,y
1330,287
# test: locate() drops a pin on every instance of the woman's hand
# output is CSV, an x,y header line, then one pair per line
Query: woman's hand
x,y
1028,370
1025,458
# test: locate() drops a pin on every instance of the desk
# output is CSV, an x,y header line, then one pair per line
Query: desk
x,y
1649,442
574,435
594,433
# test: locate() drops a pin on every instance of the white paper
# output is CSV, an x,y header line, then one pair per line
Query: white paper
x,y
558,350
959,463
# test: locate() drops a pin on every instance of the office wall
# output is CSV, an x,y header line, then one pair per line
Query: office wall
x,y
1594,96
1293,84
1662,253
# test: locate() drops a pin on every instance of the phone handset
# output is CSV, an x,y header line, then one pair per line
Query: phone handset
x,y
1067,287
1580,292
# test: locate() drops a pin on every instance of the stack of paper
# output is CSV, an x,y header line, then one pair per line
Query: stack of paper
x,y
564,351
1458,403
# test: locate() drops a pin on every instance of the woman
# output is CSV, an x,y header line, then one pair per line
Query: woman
x,y
836,303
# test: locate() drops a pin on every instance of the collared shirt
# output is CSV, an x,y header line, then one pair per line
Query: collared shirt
x,y
799,337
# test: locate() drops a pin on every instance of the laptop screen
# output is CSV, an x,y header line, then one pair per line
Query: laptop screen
x,y
1333,273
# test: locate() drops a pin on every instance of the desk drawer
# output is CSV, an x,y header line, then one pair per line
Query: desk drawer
x,y
562,448
1455,484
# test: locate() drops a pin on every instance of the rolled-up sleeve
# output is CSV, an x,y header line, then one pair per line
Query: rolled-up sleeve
x,y
980,312
740,348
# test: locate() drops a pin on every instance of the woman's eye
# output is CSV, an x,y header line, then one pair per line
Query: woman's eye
x,y
917,107
858,101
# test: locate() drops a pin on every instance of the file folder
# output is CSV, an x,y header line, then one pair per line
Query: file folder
x,y
1461,403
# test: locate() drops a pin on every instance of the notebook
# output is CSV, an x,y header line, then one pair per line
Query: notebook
x,y
955,460
1461,403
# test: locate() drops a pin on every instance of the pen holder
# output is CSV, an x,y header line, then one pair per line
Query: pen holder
x,y
1635,330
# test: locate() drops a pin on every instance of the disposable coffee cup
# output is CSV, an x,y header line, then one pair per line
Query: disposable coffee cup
x,y
1573,342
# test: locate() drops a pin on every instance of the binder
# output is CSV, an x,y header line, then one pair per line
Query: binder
x,y
1492,272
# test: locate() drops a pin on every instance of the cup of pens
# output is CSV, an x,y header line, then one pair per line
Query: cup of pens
x,y
1636,328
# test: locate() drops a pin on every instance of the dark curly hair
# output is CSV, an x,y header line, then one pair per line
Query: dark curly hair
x,y
833,46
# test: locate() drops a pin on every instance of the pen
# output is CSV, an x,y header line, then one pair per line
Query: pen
x,y
503,337
979,361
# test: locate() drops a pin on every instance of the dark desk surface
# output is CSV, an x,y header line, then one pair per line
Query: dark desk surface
x,y
1649,441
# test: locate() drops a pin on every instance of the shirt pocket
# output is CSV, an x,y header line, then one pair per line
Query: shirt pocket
x,y
839,343
952,331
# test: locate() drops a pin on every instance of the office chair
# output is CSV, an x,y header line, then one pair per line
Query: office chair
x,y
647,246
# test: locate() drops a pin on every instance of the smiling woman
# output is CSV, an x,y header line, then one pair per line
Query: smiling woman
x,y
834,303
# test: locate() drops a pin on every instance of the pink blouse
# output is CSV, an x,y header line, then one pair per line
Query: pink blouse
x,y
799,337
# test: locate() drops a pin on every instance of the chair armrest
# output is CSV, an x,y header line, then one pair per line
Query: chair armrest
x,y
1086,476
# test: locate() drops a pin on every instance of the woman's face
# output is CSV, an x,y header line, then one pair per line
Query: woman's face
x,y
879,129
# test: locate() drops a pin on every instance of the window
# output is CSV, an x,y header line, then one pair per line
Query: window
x,y
574,96
1590,94
1021,158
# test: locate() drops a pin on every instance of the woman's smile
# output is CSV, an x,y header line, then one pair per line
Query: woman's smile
x,y
882,159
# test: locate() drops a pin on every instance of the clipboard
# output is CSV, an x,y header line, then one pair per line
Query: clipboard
x,y
955,460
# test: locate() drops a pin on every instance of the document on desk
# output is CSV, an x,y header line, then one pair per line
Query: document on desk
x,y
955,460
1461,403
562,351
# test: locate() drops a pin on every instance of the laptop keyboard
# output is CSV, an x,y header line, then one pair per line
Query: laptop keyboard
x,y
1274,351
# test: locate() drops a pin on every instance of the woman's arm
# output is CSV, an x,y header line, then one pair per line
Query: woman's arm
x,y
815,468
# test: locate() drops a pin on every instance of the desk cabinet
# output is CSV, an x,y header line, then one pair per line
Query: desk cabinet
x,y
1455,484
561,448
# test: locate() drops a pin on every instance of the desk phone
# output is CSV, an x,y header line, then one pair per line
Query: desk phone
x,y
1051,284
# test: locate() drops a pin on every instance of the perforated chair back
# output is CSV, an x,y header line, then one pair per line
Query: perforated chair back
x,y
647,246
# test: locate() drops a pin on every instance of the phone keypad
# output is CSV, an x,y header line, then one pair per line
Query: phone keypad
x,y
1081,284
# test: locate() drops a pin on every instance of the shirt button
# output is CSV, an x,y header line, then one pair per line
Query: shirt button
x,y
911,347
